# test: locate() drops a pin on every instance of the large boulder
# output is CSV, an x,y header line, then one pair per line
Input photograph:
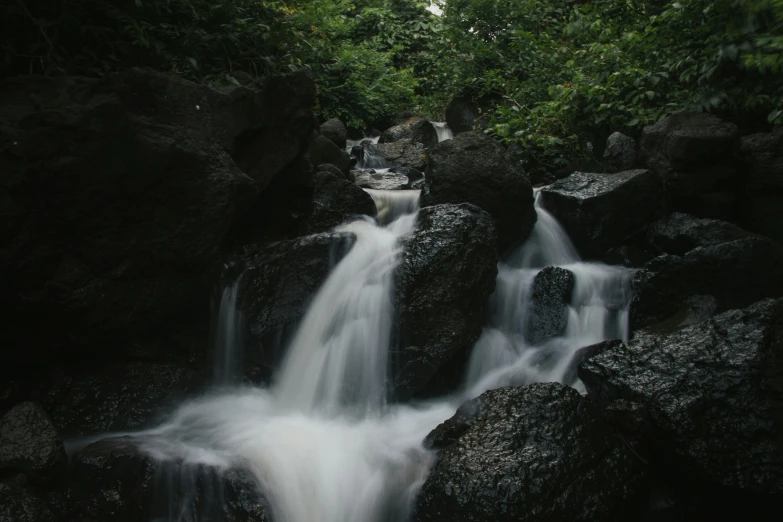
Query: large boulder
x,y
549,300
323,150
18,504
714,396
417,129
538,452
277,285
760,206
119,193
474,168
335,200
446,274
680,233
600,211
620,153
735,273
381,179
115,479
461,114
30,444
335,131
404,153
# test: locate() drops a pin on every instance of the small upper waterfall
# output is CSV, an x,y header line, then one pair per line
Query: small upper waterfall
x,y
392,204
228,336
443,130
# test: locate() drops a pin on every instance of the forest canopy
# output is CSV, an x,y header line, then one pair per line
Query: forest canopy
x,y
554,77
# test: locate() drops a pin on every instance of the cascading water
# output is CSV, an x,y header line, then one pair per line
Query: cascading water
x,y
443,130
322,442
229,335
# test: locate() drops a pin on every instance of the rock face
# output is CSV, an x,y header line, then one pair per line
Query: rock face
x,y
680,233
460,115
384,180
550,298
417,129
17,504
537,452
29,443
446,274
323,150
335,131
334,200
119,193
278,284
620,153
713,391
473,168
760,206
404,153
114,479
735,273
600,211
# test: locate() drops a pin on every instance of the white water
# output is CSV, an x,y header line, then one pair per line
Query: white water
x,y
443,130
322,442
229,336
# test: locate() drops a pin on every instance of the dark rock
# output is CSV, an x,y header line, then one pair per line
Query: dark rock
x,y
404,153
760,205
736,273
713,392
417,129
473,168
277,286
600,211
628,255
328,167
18,504
29,443
335,200
446,274
537,452
461,114
411,173
630,418
550,298
680,233
369,156
119,193
114,479
381,180
620,153
335,131
691,151
322,150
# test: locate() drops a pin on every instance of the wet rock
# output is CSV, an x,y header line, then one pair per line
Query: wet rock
x,y
335,131
18,504
630,256
461,114
334,201
381,180
417,129
680,233
550,298
760,204
691,151
713,393
323,150
473,168
114,479
600,211
404,153
446,274
277,286
119,194
538,452
736,273
328,167
29,443
620,153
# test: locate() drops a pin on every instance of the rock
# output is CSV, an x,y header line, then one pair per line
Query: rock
x,y
736,273
335,200
461,114
383,180
600,211
628,255
335,131
114,479
404,153
550,298
322,150
417,129
30,444
446,274
277,286
369,156
714,396
538,452
119,193
328,167
620,153
473,168
760,204
680,233
691,151
17,504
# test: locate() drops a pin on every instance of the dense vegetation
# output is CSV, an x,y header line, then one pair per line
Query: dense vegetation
x,y
554,77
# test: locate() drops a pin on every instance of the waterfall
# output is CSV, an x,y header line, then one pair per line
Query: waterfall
x,y
392,204
443,130
228,337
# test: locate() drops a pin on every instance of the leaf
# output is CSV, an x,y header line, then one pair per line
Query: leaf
x,y
193,62
650,95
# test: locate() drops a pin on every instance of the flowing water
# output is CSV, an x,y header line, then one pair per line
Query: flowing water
x,y
443,130
322,441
